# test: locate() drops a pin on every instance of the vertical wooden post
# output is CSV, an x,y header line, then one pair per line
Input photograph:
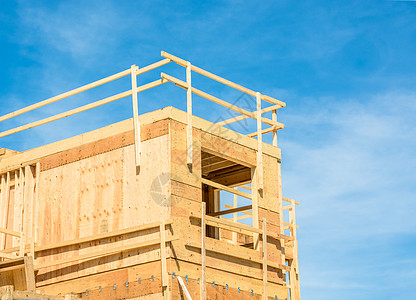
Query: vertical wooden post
x,y
203,252
255,206
217,207
264,259
29,198
235,204
259,143
165,277
295,261
136,122
18,204
30,274
189,114
5,191
22,201
35,211
274,118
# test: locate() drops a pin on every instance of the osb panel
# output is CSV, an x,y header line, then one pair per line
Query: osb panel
x,y
272,184
231,150
101,194
181,172
148,131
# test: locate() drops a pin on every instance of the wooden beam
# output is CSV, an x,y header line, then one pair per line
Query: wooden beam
x,y
30,274
65,95
217,166
136,122
7,255
5,195
230,211
10,232
264,131
100,236
153,66
259,166
247,212
28,200
290,200
102,253
290,225
264,265
203,292
164,268
243,117
182,62
184,289
183,84
241,228
35,210
274,118
81,109
22,201
225,188
189,114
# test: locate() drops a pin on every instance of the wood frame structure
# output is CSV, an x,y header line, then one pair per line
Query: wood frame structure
x,y
261,251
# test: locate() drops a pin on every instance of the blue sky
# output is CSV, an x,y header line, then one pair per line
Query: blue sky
x,y
346,69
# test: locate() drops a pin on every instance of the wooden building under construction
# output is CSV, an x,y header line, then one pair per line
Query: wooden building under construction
x,y
135,210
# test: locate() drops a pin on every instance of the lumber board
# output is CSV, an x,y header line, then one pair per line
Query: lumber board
x,y
225,188
264,265
244,117
80,109
264,131
290,200
136,122
100,236
222,80
189,114
65,95
241,228
226,104
203,291
10,232
106,252
232,210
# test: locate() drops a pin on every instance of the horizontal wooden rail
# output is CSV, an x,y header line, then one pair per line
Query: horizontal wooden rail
x,y
90,238
230,211
290,224
153,66
243,117
183,63
83,88
264,131
225,188
7,255
81,109
101,236
65,95
10,232
247,212
106,252
290,200
244,253
252,115
240,228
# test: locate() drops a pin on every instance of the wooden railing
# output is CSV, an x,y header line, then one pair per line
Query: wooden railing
x,y
134,71
64,246
244,229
